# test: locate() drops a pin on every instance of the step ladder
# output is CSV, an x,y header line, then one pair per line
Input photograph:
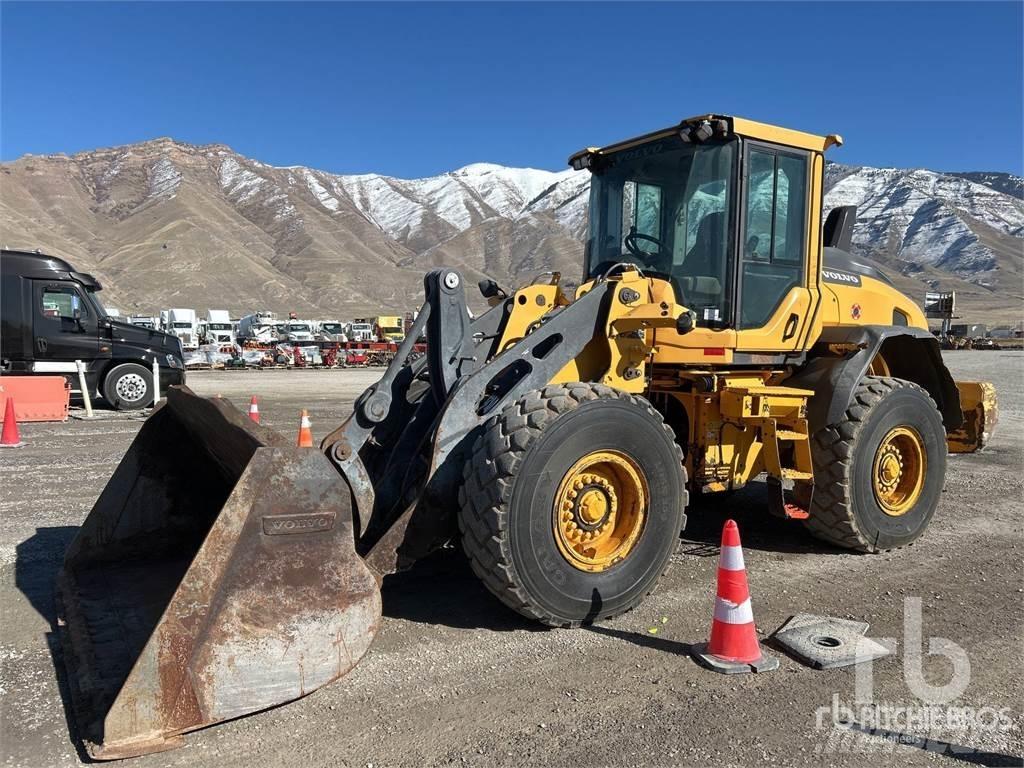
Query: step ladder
x,y
794,432
780,416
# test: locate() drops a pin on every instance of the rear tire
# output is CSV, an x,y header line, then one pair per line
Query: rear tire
x,y
850,506
129,387
515,485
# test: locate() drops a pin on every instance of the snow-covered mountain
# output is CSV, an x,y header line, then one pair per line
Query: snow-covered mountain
x,y
166,222
918,219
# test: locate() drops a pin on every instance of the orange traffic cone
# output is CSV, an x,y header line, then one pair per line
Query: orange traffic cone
x,y
305,431
254,410
11,437
733,647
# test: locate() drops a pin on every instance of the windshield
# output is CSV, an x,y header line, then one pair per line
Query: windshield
x,y
182,325
298,328
95,301
361,327
219,326
664,206
331,327
391,329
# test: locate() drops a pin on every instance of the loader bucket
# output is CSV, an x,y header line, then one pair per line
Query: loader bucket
x,y
980,411
216,576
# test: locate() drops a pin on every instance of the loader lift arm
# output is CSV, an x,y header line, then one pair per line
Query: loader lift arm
x,y
399,449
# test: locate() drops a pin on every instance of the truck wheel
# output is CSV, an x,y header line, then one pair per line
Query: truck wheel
x,y
572,503
129,387
878,473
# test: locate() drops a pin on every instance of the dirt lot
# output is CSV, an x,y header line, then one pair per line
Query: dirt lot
x,y
455,678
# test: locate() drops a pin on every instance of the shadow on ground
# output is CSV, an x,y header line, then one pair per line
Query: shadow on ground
x,y
38,560
759,530
442,589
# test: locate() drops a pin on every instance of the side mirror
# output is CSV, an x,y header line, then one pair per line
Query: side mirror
x,y
490,289
686,322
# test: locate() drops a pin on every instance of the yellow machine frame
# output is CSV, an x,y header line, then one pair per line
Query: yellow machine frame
x,y
738,423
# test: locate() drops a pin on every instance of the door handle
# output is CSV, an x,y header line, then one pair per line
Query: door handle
x,y
790,330
41,344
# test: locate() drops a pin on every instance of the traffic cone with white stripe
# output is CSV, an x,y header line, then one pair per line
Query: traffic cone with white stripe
x,y
254,410
733,647
11,437
305,431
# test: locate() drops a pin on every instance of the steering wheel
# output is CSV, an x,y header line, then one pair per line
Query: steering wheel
x,y
654,259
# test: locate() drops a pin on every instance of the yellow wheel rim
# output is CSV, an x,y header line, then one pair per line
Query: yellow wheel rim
x,y
600,510
898,471
878,366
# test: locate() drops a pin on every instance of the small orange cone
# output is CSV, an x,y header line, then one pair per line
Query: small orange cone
x,y
733,647
11,437
254,410
305,431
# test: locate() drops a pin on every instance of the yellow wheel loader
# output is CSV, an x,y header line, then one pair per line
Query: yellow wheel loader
x,y
722,331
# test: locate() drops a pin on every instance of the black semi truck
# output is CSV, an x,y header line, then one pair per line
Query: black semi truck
x,y
50,317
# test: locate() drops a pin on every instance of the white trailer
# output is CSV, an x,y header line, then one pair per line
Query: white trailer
x,y
182,323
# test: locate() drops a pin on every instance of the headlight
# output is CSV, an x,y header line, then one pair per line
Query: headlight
x,y
172,361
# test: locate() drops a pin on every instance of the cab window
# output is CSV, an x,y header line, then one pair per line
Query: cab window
x,y
61,303
665,207
774,238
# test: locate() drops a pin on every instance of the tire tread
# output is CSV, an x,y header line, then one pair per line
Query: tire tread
x,y
832,517
488,479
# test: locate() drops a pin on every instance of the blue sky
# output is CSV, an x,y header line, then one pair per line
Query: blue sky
x,y
412,89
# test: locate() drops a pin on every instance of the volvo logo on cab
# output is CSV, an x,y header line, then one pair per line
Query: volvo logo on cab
x,y
845,278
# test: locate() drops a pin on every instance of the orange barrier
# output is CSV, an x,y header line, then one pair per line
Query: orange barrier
x,y
36,398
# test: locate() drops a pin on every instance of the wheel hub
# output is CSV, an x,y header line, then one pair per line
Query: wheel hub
x,y
600,509
131,387
898,471
594,502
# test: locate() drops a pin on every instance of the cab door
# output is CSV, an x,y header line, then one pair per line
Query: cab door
x,y
777,287
64,327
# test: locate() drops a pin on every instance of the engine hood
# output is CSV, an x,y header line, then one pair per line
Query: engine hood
x,y
143,338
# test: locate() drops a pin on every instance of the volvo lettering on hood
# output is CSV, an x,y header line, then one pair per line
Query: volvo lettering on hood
x,y
835,276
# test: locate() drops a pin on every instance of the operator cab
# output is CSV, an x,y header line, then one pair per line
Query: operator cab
x,y
727,217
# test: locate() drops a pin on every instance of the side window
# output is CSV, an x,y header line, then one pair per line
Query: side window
x,y
774,240
702,262
790,211
61,303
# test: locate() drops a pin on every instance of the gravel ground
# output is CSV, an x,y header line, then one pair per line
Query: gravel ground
x,y
455,678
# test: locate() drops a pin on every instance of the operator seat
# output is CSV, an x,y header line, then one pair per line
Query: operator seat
x,y
697,281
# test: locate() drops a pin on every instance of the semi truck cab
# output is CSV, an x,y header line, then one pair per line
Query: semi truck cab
x,y
50,317
219,328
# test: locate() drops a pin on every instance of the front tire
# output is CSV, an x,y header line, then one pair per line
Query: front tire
x,y
878,473
129,387
572,503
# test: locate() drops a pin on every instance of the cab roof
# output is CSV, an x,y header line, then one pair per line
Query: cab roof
x,y
43,266
724,125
